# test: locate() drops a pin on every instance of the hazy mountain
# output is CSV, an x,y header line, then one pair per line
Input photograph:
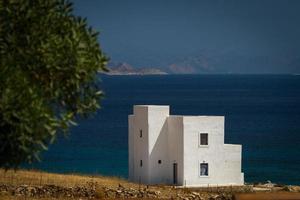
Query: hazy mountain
x,y
216,61
124,68
230,62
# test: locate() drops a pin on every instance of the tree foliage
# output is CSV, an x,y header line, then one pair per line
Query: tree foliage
x,y
49,60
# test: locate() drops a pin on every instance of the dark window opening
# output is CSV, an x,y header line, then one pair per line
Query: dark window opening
x,y
159,161
141,133
141,163
203,139
204,169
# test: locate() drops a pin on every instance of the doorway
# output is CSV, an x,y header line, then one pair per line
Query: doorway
x,y
175,173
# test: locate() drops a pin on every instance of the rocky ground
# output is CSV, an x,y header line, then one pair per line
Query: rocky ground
x,y
29,185
94,191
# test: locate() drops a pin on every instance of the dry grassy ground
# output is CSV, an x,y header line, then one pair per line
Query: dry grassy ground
x,y
29,178
32,177
38,178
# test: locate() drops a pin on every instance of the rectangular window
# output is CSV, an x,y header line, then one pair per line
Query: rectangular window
x,y
203,139
141,133
203,169
141,163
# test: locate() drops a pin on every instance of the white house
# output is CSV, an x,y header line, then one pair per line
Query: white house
x,y
180,150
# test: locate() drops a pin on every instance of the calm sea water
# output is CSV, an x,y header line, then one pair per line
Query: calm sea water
x,y
262,113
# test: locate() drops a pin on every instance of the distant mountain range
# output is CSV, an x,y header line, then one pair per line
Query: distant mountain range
x,y
126,69
234,63
215,62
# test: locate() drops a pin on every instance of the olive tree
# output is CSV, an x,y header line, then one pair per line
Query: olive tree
x,y
49,61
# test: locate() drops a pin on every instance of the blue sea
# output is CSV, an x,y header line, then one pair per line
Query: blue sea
x,y
262,113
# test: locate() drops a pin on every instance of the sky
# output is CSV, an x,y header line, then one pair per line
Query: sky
x,y
212,36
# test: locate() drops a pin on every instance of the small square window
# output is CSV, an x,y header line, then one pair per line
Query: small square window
x,y
141,163
203,139
203,169
141,133
159,161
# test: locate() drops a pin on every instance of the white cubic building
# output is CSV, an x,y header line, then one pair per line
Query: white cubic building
x,y
180,150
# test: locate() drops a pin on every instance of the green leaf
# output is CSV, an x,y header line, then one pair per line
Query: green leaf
x,y
72,123
48,75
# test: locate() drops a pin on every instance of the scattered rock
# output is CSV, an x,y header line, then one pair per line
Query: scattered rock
x,y
269,184
261,189
93,191
291,188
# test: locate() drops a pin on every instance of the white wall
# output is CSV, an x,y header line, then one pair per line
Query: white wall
x,y
176,139
224,161
140,144
130,147
158,139
175,145
232,164
149,148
